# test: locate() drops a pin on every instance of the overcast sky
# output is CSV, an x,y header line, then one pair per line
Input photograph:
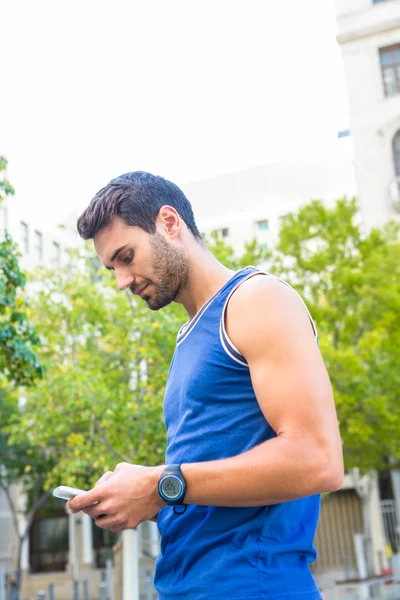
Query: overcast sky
x,y
185,89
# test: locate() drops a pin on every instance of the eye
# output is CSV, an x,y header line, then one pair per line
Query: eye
x,y
128,258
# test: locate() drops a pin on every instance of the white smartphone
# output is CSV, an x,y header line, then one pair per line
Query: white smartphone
x,y
66,493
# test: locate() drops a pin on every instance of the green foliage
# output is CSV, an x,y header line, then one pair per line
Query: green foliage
x,y
6,188
253,253
106,357
18,360
351,283
21,461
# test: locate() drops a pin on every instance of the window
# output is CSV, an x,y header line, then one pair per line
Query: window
x,y
48,543
263,225
24,237
38,247
221,233
284,219
390,65
56,254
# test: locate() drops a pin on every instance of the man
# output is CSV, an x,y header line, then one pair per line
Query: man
x,y
253,437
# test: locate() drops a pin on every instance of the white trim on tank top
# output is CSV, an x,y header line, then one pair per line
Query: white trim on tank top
x,y
227,343
190,325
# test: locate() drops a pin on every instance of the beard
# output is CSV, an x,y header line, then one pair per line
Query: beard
x,y
170,268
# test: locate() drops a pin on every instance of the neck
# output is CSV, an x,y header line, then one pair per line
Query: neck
x,y
207,276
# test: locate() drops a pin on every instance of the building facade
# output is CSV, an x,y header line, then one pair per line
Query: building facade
x,y
39,246
251,204
369,38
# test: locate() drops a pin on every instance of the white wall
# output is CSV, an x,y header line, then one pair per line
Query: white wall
x,y
238,200
374,118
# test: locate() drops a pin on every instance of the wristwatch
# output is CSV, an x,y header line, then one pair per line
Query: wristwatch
x,y
172,487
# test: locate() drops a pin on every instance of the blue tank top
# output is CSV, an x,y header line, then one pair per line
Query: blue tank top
x,y
211,412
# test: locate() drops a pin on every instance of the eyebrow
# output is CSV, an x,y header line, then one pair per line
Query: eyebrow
x,y
114,256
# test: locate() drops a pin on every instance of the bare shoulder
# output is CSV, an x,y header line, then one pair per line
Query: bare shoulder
x,y
263,309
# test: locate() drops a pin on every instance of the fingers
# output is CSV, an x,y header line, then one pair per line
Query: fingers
x,y
95,511
75,505
104,477
84,500
110,522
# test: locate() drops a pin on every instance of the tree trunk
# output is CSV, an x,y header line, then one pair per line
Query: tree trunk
x,y
16,593
38,501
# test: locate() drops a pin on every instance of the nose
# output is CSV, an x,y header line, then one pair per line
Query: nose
x,y
124,280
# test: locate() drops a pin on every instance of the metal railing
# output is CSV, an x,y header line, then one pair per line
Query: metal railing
x,y
391,525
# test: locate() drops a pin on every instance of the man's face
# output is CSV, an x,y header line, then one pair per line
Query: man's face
x,y
150,265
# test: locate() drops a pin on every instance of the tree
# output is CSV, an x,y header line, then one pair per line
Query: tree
x,y
18,360
350,280
253,253
23,468
19,366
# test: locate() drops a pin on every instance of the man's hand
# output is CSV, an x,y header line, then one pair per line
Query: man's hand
x,y
123,498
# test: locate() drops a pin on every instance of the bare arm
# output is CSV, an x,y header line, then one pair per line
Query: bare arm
x,y
269,325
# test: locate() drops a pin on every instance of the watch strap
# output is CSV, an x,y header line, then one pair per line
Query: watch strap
x,y
174,470
179,509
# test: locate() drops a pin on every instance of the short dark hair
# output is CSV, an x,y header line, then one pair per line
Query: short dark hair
x,y
136,198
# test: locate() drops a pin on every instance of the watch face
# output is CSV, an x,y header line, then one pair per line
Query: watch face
x,y
171,487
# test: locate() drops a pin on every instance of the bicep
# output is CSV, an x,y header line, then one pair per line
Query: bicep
x,y
287,371
292,387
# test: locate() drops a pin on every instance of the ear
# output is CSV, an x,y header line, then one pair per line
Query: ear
x,y
168,221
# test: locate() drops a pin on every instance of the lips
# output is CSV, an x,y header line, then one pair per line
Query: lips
x,y
140,292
